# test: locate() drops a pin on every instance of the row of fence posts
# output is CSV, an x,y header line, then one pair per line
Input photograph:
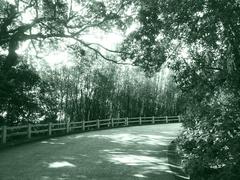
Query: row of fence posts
x,y
68,129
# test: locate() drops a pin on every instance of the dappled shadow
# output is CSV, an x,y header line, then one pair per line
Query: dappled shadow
x,y
64,176
129,139
175,160
138,156
49,142
138,153
53,141
147,163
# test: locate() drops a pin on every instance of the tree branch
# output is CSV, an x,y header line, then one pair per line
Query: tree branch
x,y
42,36
100,54
110,50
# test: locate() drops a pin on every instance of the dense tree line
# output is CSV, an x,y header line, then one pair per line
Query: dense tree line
x,y
102,90
85,91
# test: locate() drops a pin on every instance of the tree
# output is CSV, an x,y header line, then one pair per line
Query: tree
x,y
18,94
208,74
50,22
92,89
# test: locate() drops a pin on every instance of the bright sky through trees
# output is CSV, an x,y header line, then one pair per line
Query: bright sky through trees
x,y
60,56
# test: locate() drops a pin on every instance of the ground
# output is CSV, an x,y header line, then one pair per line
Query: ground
x,y
129,153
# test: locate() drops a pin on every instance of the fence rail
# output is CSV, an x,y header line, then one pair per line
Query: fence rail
x,y
30,130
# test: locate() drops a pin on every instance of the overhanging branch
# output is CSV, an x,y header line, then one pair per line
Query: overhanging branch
x,y
87,45
100,54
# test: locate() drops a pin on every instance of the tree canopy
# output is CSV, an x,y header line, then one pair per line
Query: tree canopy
x,y
43,21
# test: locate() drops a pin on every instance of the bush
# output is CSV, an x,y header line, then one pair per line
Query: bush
x,y
210,144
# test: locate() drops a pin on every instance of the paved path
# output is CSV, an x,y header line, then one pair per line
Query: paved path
x,y
130,153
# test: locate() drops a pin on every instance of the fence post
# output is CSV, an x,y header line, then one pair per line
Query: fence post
x,y
50,129
179,119
112,122
140,120
68,127
29,131
98,124
153,120
126,121
83,125
166,119
4,134
117,121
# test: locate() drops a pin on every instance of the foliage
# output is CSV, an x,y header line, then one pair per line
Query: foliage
x,y
19,94
24,96
49,21
91,89
207,74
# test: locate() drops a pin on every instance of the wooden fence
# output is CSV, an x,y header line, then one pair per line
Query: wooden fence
x,y
42,130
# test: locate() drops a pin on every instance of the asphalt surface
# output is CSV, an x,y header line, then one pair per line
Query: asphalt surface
x,y
129,153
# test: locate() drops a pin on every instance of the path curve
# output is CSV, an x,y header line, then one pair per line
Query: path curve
x,y
129,153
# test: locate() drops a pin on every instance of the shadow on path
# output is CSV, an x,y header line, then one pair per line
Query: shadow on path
x,y
116,154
